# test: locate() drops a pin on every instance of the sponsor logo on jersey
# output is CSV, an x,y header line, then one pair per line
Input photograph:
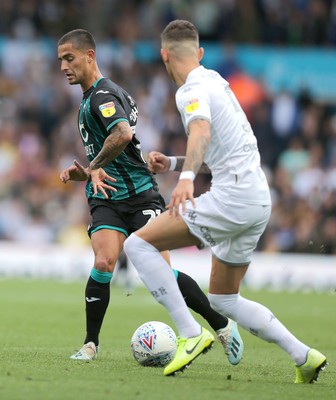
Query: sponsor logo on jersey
x,y
191,105
107,109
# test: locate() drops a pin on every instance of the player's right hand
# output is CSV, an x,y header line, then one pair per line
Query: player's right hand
x,y
184,190
76,172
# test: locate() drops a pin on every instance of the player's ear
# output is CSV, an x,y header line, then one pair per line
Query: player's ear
x,y
164,55
90,55
200,53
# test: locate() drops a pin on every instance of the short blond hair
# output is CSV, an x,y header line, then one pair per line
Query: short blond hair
x,y
180,36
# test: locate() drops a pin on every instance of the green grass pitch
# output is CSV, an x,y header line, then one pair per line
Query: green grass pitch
x,y
42,324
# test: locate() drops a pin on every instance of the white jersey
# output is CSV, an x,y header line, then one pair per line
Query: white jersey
x,y
232,155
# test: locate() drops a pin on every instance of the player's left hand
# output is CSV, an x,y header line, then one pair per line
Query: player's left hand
x,y
183,191
158,162
97,178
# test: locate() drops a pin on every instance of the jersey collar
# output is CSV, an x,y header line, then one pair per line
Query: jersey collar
x,y
196,71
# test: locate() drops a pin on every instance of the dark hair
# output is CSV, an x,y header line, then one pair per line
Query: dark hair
x,y
179,30
80,38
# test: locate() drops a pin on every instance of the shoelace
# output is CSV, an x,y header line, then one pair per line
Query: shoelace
x,y
92,350
180,341
224,338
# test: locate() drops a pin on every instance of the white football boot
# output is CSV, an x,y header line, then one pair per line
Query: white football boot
x,y
87,353
232,342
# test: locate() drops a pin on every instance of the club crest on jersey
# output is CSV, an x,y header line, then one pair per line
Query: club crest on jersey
x,y
107,109
191,105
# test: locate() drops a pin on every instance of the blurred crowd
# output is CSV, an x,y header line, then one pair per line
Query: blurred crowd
x,y
38,112
288,22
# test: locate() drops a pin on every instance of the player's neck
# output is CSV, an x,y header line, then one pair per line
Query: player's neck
x,y
181,72
91,80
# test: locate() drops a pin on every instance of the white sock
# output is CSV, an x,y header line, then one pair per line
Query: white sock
x,y
260,321
159,279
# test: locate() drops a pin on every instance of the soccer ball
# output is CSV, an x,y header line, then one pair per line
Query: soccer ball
x,y
153,344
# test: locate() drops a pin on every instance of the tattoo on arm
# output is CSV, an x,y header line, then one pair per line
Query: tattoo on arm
x,y
204,169
194,160
179,163
119,137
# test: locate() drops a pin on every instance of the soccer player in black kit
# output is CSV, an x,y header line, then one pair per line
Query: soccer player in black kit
x,y
121,191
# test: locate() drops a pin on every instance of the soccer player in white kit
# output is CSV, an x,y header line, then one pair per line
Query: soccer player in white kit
x,y
229,218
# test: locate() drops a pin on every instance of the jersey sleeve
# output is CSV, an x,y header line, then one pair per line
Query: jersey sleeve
x,y
193,103
108,109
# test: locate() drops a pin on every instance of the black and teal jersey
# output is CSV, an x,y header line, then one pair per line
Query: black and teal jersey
x,y
103,106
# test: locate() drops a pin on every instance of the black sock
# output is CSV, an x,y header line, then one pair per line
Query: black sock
x,y
198,301
97,298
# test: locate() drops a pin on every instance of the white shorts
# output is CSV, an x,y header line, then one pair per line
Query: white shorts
x,y
232,230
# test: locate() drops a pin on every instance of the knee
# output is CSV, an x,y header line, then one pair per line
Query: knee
x,y
105,263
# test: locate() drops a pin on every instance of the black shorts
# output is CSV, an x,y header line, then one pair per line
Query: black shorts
x,y
125,216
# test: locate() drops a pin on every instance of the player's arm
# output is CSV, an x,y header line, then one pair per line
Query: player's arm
x,y
204,169
120,135
197,145
160,163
